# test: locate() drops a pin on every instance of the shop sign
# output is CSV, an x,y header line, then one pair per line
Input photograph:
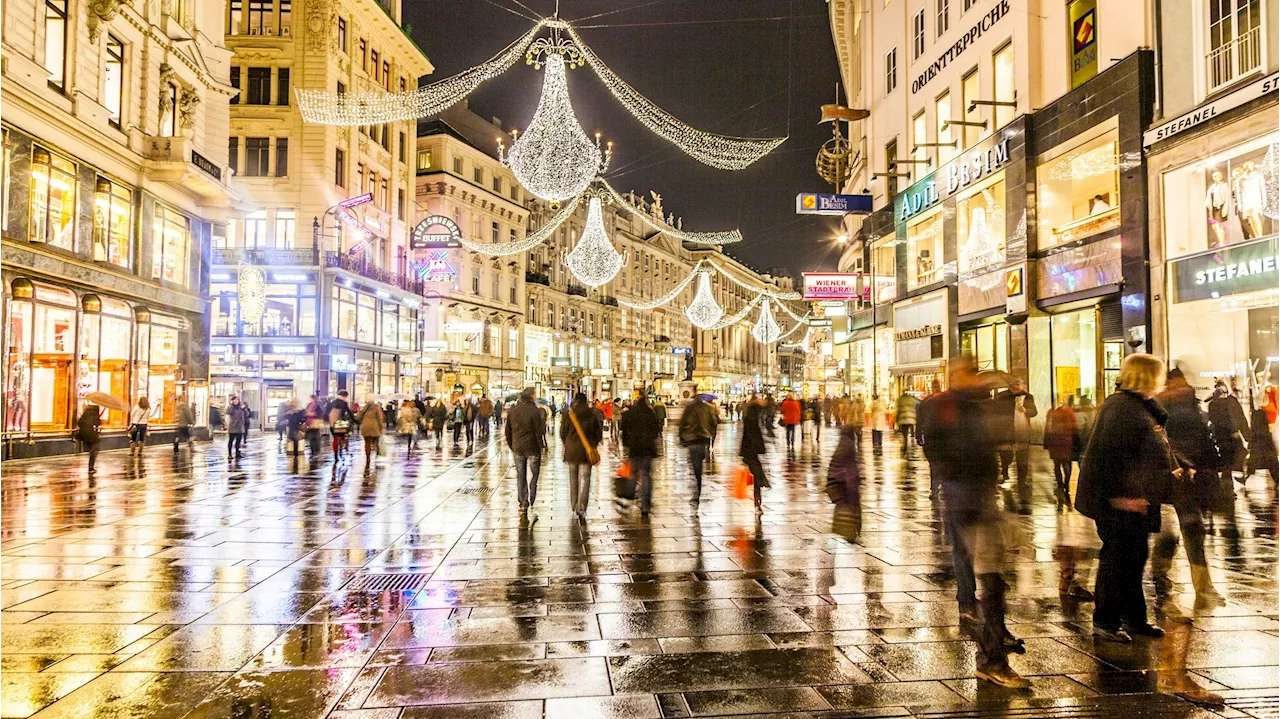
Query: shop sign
x,y
957,49
830,285
1015,280
1261,88
1083,16
435,346
919,197
981,163
1228,271
463,328
918,333
681,350
357,200
436,232
561,361
342,363
436,267
817,203
819,323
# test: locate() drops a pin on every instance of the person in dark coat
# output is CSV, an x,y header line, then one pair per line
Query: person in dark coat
x,y
89,432
924,415
1229,428
755,424
698,425
1015,408
1125,462
844,474
439,415
237,427
1189,436
575,454
1062,440
526,435
962,445
640,432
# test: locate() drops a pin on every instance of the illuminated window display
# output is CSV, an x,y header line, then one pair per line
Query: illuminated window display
x,y
17,381
166,371
106,330
988,344
53,199
112,223
52,356
980,226
924,251
1078,188
1222,200
170,238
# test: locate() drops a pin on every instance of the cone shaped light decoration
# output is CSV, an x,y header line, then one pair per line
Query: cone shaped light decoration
x,y
703,312
594,261
766,330
1271,181
554,159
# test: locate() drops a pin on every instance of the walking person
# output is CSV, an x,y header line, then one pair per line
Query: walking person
x,y
856,414
1229,428
640,434
237,426
184,417
879,423
961,440
792,414
924,417
470,418
340,416
439,416
1062,440
407,421
295,421
754,428
698,424
844,477
282,420
372,420
580,432
485,410
89,433
660,411
526,435
313,420
904,419
1126,460
1015,408
457,416
139,417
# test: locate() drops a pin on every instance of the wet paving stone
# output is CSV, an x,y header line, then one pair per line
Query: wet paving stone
x,y
460,683
732,670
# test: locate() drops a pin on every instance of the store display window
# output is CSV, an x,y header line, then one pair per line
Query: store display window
x,y
106,331
343,318
980,226
52,358
988,345
166,371
170,238
226,309
289,311
53,199
112,223
1229,198
924,250
366,318
390,335
17,379
1074,348
1078,188
884,269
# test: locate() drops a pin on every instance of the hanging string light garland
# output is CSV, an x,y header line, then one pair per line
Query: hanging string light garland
x,y
1271,181
529,241
775,294
801,343
766,330
703,312
593,260
741,315
667,298
723,237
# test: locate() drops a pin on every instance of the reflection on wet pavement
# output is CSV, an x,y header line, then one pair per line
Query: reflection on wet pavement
x,y
184,586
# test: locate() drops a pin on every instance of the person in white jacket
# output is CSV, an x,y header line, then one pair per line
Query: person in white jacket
x,y
879,421
139,416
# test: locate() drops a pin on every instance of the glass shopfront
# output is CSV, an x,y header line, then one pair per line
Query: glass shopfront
x,y
106,331
1078,187
921,326
980,226
988,344
1075,357
166,353
924,250
1223,200
289,311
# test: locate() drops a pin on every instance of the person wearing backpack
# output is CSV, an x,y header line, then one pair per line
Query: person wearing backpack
x,y
581,435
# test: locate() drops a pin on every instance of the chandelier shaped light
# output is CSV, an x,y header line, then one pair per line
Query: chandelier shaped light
x,y
593,260
766,330
354,109
554,159
703,312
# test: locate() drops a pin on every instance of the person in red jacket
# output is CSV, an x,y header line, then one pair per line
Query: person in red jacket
x,y
792,412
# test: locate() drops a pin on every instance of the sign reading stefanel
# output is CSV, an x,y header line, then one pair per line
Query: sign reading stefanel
x,y
1229,270
830,285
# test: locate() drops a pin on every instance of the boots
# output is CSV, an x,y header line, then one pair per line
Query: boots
x,y
1068,586
1207,598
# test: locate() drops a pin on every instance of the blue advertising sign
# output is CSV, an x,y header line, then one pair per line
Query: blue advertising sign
x,y
817,203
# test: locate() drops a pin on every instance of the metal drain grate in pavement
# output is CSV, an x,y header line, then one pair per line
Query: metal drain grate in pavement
x,y
386,582
482,491
1133,706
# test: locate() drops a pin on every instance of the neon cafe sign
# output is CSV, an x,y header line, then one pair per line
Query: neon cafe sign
x,y
436,267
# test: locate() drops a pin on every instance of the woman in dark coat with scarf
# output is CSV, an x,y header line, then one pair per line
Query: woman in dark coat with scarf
x,y
1125,473
754,426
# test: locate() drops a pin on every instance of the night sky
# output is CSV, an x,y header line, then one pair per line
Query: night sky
x,y
752,68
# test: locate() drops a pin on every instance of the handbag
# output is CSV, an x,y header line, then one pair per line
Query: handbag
x,y
593,455
742,479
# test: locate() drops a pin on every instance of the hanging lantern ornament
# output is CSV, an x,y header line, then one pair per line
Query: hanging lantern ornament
x,y
703,312
593,260
554,159
766,330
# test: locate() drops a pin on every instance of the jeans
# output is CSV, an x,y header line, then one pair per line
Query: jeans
x,y
528,466
92,448
235,442
791,435
697,458
579,485
313,441
1118,593
471,432
1062,473
642,471
908,432
457,432
877,438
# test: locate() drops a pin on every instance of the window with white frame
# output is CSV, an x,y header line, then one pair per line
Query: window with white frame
x,y
891,71
917,35
1234,47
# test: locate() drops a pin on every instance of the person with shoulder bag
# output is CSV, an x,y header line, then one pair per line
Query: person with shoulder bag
x,y
89,432
139,417
581,436
698,424
526,432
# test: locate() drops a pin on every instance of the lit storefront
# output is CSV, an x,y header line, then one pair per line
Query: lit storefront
x,y
922,326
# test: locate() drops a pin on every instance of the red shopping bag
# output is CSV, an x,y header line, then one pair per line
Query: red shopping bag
x,y
624,469
742,479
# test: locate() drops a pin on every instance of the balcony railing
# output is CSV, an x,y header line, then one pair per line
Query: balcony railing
x,y
538,278
361,266
1234,59
609,300
578,290
265,256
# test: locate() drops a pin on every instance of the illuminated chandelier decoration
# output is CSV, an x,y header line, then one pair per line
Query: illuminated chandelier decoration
x,y
593,260
741,315
1083,164
251,293
703,312
354,109
671,295
1271,181
766,330
554,159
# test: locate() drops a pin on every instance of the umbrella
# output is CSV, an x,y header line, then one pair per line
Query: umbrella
x,y
400,397
102,399
707,397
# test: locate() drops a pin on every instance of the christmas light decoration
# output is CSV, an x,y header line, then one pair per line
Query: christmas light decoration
x,y
594,261
353,109
736,318
703,312
798,318
699,238
766,330
775,294
674,293
251,293
793,345
529,241
554,159
1084,164
1271,181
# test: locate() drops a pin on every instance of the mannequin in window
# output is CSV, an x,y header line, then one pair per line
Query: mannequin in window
x,y
1250,198
1215,202
1099,205
924,266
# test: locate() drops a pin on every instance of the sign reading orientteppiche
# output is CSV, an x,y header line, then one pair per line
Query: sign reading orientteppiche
x,y
830,285
817,203
1230,270
436,232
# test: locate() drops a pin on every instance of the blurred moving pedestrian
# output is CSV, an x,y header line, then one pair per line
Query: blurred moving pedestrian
x,y
282,419
1189,436
184,417
89,432
754,427
237,427
1015,408
791,416
640,435
139,417
844,479
372,420
526,436
580,432
960,433
660,411
1125,462
294,420
457,416
1062,440
698,425
408,421
313,424
340,417
904,418
484,412
1229,429
924,415
879,422
439,416
857,414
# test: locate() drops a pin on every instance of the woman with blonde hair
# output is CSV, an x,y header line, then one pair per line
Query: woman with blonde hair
x,y
1124,474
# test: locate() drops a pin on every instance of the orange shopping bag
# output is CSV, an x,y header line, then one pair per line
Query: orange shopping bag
x,y
624,469
742,479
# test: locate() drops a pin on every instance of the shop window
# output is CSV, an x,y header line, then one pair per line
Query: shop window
x,y
112,223
389,336
1224,199
980,226
55,42
884,269
113,79
285,228
53,199
1003,87
17,381
1078,189
988,345
49,380
106,332
1074,350
165,354
924,251
255,229
170,238
226,313
366,319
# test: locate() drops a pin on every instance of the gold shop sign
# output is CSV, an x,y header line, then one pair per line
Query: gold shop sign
x,y
918,333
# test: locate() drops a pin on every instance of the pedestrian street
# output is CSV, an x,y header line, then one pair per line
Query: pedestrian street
x,y
184,585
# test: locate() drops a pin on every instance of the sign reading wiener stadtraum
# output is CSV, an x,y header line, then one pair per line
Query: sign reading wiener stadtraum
x,y
830,285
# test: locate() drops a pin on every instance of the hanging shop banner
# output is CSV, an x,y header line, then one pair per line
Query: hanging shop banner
x,y
830,285
817,203
1083,20
1228,271
436,232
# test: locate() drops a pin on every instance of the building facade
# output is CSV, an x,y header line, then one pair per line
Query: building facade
x,y
312,287
115,179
